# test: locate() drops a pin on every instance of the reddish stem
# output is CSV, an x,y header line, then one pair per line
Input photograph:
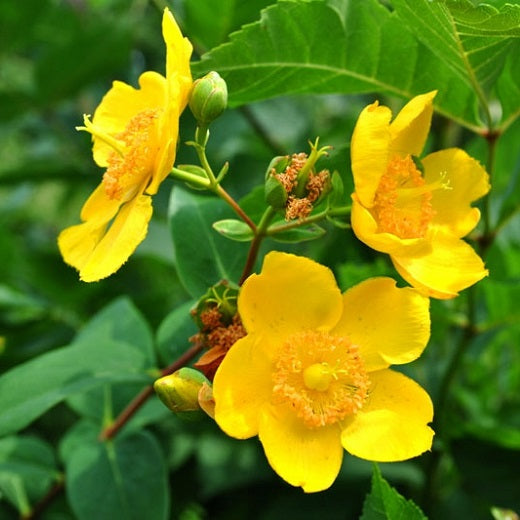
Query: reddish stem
x,y
110,431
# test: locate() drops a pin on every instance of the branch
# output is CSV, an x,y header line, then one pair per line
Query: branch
x,y
110,431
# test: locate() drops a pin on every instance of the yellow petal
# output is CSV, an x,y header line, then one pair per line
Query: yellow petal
x,y
366,229
389,325
126,232
121,103
411,126
393,423
165,159
466,182
370,151
290,294
178,53
305,457
242,386
99,206
76,243
451,266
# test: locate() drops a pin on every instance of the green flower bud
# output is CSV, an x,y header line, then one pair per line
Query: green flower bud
x,y
275,193
208,98
179,391
277,165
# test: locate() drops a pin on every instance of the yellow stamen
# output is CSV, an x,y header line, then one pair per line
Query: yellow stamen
x,y
402,204
321,377
127,171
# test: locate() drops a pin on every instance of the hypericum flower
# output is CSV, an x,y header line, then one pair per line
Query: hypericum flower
x,y
312,375
135,133
418,218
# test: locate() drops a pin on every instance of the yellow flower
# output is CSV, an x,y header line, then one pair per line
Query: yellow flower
x,y
312,376
134,134
418,219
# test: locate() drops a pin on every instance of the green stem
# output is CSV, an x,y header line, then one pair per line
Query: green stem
x,y
110,431
335,212
489,234
201,138
190,178
261,232
224,195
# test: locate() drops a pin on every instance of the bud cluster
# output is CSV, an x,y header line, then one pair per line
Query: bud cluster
x,y
294,185
219,326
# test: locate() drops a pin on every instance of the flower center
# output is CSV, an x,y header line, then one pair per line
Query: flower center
x,y
402,204
321,376
134,151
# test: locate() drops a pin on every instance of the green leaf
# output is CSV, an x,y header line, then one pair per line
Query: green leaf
x,y
234,229
288,52
209,22
123,478
473,41
105,401
121,321
30,389
12,487
300,234
174,332
27,470
18,307
508,87
385,503
203,257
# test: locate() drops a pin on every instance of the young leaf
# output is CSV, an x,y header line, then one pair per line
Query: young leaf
x,y
385,503
302,234
335,46
123,478
234,229
203,257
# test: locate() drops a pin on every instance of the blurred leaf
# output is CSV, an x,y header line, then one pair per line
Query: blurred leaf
x,y
384,502
498,484
121,321
11,485
234,229
288,51
27,470
352,273
209,23
98,356
17,307
108,401
122,478
503,514
174,332
203,257
98,45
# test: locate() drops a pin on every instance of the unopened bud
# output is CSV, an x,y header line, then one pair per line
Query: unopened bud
x,y
179,391
208,98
